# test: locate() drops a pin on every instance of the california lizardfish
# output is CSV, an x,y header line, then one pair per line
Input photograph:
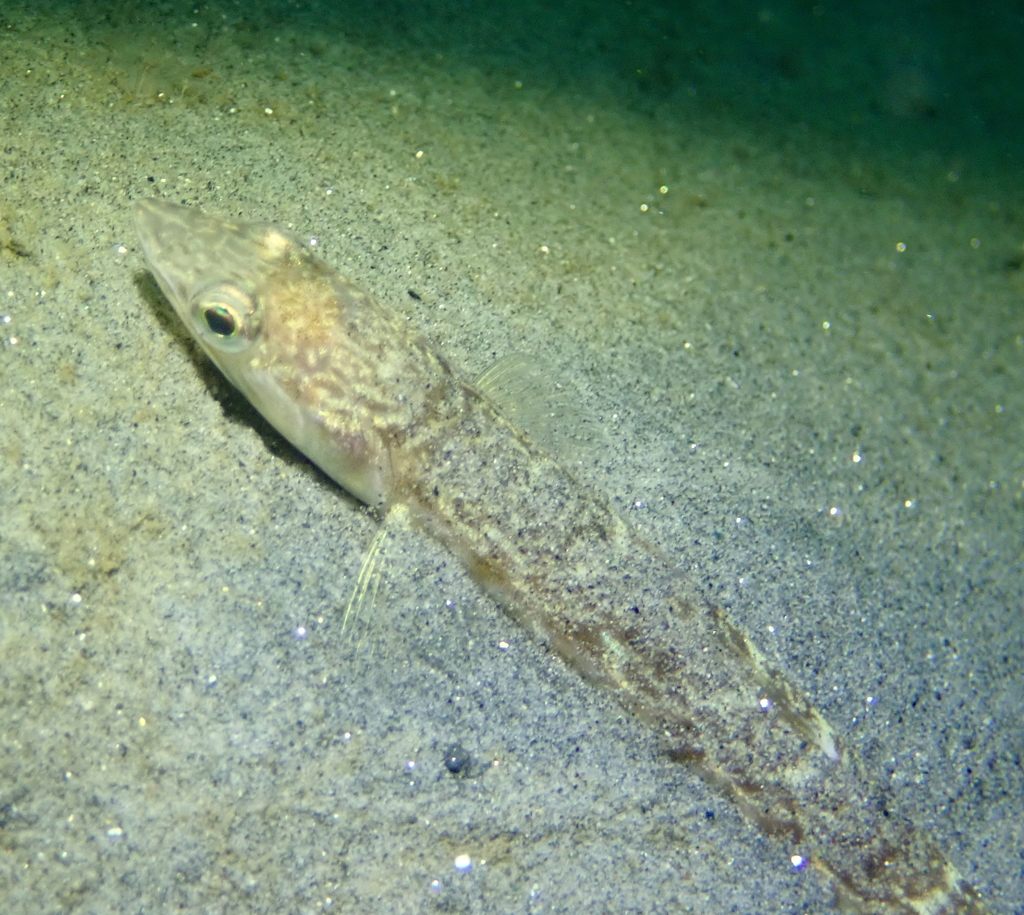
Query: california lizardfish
x,y
364,396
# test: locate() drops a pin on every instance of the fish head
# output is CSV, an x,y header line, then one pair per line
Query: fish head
x,y
293,335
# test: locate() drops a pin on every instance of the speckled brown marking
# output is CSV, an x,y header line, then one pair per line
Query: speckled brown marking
x,y
364,396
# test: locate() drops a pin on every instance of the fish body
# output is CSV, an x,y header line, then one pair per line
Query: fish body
x,y
365,397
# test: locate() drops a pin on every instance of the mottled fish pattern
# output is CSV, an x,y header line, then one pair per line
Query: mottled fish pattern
x,y
364,396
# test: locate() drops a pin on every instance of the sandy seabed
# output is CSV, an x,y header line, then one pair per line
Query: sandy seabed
x,y
791,306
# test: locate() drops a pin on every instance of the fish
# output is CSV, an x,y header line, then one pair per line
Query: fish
x,y
363,395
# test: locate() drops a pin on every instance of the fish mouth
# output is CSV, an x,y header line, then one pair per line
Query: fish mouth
x,y
165,241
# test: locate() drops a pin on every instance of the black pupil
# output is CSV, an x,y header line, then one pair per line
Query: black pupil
x,y
220,321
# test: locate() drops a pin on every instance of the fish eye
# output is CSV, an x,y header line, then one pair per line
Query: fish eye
x,y
220,320
226,316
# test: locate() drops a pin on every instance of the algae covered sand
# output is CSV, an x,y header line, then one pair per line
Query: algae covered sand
x,y
783,274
